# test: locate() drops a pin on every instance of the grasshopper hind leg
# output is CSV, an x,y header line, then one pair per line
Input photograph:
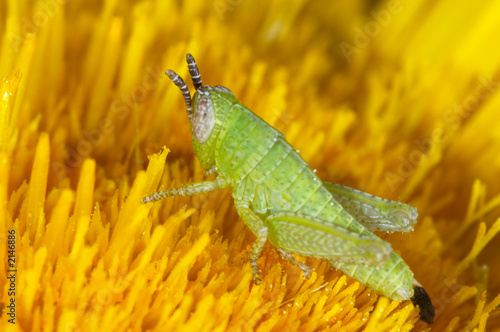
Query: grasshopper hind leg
x,y
375,213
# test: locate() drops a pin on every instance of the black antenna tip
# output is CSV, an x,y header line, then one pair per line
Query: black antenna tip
x,y
423,301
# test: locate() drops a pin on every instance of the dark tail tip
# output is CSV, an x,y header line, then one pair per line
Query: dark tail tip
x,y
423,301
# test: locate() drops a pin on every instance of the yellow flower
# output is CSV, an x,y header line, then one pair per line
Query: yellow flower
x,y
397,98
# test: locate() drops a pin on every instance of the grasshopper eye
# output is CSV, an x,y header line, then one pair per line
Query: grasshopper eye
x,y
204,119
222,89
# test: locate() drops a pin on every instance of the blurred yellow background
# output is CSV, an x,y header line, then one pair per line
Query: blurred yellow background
x,y
396,98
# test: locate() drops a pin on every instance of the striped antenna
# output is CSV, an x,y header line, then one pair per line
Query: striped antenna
x,y
193,71
184,89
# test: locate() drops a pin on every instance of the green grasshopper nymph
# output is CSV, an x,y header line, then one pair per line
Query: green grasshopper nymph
x,y
282,200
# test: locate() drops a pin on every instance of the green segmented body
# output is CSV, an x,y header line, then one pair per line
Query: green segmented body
x,y
282,200
272,177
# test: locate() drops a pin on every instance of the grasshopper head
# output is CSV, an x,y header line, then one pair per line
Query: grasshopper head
x,y
206,111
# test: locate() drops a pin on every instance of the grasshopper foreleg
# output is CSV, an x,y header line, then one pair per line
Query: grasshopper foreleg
x,y
188,190
210,171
